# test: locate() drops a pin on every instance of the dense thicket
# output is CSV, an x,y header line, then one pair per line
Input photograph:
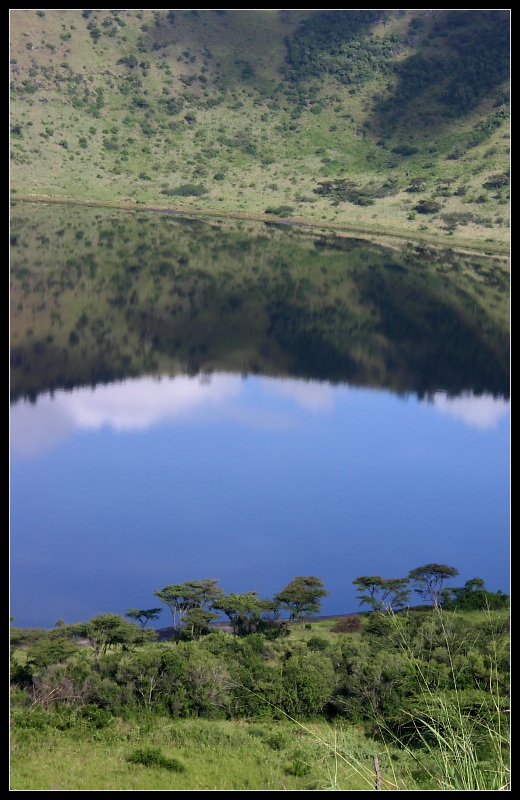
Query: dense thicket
x,y
370,672
338,44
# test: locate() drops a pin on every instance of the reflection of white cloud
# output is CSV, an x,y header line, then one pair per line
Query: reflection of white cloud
x,y
137,405
142,403
307,394
131,405
37,427
483,411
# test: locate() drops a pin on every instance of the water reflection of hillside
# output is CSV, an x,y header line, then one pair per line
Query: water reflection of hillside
x,y
99,295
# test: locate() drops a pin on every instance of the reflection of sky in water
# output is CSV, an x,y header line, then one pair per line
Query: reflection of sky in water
x,y
123,489
142,403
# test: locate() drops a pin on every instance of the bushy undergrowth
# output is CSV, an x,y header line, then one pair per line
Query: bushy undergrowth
x,y
435,684
153,757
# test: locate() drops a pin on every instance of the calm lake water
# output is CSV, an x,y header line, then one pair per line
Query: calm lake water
x,y
247,402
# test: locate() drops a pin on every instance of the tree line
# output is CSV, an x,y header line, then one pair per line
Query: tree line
x,y
359,675
195,604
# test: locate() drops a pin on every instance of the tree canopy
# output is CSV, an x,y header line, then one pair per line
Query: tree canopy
x,y
382,593
143,615
429,579
473,596
107,630
182,597
244,610
302,596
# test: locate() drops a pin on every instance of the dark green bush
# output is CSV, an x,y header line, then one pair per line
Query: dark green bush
x,y
317,643
298,768
427,207
404,150
280,211
277,741
186,190
152,757
98,717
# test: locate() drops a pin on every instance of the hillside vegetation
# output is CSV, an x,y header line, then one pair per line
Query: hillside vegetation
x,y
394,120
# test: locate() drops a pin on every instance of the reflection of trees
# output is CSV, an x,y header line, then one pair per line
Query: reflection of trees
x,y
435,339
136,294
309,339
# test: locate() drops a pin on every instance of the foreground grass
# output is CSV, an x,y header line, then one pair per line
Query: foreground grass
x,y
202,755
158,754
468,750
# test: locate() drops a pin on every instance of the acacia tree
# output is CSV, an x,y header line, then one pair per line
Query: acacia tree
x,y
197,620
109,630
428,581
302,596
382,593
143,615
244,611
182,597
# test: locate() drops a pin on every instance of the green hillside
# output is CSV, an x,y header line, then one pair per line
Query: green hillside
x,y
394,120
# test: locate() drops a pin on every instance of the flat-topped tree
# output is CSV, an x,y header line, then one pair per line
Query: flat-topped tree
x,y
182,597
143,615
382,593
197,621
244,611
429,579
302,596
109,630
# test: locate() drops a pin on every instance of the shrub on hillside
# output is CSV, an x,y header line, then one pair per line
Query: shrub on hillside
x,y
427,207
186,190
280,211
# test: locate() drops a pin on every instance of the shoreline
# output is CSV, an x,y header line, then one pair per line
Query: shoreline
x,y
463,246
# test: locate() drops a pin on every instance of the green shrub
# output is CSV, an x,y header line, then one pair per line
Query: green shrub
x,y
277,741
98,717
317,643
404,150
34,718
280,211
152,757
298,768
186,190
427,207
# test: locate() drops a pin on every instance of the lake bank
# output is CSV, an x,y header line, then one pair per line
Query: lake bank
x,y
456,243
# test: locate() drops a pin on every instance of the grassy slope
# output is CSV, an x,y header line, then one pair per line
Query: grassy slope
x,y
207,103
